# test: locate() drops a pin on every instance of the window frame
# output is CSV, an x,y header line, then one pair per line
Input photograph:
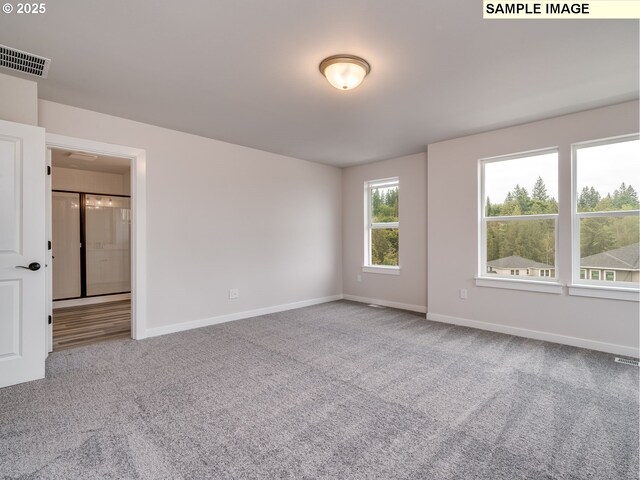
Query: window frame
x,y
369,185
540,284
587,287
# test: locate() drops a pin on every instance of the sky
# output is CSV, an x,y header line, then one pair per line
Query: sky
x,y
502,176
621,163
604,167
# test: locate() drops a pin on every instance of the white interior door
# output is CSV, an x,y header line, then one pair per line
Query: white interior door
x,y
23,320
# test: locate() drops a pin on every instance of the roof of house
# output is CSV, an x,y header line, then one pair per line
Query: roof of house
x,y
625,258
515,261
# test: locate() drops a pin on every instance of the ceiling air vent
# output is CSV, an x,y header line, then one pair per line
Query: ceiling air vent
x,y
24,62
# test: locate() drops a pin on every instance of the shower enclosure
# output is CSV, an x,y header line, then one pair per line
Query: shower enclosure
x,y
91,244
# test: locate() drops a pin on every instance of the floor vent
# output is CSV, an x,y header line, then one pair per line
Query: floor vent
x,y
628,361
375,306
24,62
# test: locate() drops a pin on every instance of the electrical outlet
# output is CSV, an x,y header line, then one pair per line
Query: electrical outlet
x,y
234,293
463,293
359,278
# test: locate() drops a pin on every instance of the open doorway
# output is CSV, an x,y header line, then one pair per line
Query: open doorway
x,y
130,163
91,248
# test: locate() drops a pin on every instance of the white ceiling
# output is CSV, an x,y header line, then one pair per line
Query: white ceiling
x,y
105,164
246,71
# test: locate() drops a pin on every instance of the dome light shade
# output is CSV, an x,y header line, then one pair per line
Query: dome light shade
x,y
344,71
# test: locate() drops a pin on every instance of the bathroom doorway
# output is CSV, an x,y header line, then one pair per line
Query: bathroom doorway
x,y
91,248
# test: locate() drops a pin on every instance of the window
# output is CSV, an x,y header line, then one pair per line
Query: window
x,y
382,226
607,212
519,214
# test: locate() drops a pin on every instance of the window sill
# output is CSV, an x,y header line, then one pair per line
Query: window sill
x,y
381,269
601,291
526,285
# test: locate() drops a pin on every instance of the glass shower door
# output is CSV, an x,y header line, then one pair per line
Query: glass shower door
x,y
108,244
65,210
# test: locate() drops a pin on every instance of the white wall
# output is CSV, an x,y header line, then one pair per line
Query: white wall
x,y
409,289
18,100
89,181
453,236
222,216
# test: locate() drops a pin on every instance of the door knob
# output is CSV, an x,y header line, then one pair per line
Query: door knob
x,y
33,266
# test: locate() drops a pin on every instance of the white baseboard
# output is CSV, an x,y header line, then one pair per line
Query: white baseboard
x,y
74,302
537,335
385,303
205,322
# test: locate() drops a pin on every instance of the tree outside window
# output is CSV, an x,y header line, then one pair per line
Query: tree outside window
x,y
520,212
383,223
607,211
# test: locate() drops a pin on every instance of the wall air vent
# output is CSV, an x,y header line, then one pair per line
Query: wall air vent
x,y
24,62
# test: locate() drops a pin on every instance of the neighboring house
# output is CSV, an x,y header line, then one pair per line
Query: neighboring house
x,y
618,265
520,266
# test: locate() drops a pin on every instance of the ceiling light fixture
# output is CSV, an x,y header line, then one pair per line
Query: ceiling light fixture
x,y
344,71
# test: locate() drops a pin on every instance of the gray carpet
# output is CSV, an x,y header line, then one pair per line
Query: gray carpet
x,y
339,390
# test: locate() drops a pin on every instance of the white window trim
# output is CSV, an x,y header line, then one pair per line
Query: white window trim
x,y
610,284
517,284
368,226
384,225
384,269
605,291
608,213
541,284
587,287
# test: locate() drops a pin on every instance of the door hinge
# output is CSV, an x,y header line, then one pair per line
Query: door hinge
x,y
48,170
48,244
49,319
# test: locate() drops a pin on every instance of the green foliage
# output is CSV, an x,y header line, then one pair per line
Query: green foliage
x,y
588,199
532,239
595,236
624,198
600,234
384,204
384,246
384,242
535,239
539,191
518,202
